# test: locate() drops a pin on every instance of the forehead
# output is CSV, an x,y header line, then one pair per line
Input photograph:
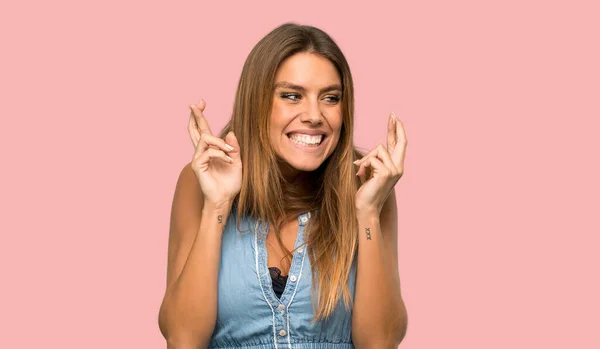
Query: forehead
x,y
308,70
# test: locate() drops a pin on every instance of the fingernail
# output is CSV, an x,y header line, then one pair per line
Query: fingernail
x,y
395,116
229,147
230,159
356,162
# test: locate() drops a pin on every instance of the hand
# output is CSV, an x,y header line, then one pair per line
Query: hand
x,y
217,163
386,165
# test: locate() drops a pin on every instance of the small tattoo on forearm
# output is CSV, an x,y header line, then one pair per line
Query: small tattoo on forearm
x,y
368,230
220,219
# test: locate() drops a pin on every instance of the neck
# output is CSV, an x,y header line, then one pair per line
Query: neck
x,y
295,178
289,173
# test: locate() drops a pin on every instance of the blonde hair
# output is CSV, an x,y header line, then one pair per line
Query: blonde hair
x,y
332,239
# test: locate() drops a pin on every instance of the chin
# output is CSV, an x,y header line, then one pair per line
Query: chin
x,y
307,166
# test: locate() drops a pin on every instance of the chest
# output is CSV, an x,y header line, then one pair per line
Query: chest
x,y
249,313
276,255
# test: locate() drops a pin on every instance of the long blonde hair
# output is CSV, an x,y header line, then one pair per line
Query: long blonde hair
x,y
332,238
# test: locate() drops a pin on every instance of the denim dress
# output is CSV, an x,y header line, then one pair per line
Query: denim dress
x,y
249,313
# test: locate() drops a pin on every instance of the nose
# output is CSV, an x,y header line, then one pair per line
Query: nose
x,y
312,114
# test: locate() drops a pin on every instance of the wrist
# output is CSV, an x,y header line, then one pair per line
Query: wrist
x,y
219,206
215,215
367,213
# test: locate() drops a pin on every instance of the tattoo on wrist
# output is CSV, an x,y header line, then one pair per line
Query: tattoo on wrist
x,y
220,219
368,231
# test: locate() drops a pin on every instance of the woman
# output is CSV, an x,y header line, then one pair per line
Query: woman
x,y
282,234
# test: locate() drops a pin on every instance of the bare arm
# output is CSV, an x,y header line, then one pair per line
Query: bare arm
x,y
189,309
379,318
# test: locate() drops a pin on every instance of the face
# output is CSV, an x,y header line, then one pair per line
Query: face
x,y
306,118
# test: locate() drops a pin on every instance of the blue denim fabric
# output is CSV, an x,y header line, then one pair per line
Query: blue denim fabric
x,y
249,314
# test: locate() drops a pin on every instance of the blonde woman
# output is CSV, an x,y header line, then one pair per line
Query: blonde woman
x,y
282,234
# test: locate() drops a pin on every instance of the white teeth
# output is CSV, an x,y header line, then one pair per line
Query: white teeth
x,y
306,139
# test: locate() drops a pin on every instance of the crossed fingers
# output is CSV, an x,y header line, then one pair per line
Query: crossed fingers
x,y
391,160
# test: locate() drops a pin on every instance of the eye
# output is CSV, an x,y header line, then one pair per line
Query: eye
x,y
333,99
290,96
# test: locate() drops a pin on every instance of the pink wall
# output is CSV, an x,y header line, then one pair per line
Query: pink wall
x,y
498,207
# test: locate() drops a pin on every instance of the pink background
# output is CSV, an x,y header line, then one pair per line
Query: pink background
x,y
499,224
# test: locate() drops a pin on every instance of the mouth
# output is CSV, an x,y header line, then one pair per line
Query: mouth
x,y
306,141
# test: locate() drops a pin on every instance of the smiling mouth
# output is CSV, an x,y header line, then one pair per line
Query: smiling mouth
x,y
306,140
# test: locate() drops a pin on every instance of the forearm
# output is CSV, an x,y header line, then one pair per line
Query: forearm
x,y
189,310
379,314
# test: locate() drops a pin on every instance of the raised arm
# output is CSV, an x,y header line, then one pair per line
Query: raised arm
x,y
201,205
189,309
379,318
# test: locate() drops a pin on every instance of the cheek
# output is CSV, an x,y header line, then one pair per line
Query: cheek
x,y
274,119
279,116
336,124
277,122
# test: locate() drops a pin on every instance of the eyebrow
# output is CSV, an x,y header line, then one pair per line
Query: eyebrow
x,y
285,84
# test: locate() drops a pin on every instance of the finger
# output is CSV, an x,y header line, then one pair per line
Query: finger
x,y
380,152
361,160
384,156
400,132
379,166
217,143
364,166
205,157
193,128
231,139
193,131
202,146
198,112
391,133
376,165
201,104
399,151
361,169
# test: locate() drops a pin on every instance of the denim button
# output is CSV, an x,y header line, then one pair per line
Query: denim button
x,y
304,219
282,333
292,278
281,307
300,250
